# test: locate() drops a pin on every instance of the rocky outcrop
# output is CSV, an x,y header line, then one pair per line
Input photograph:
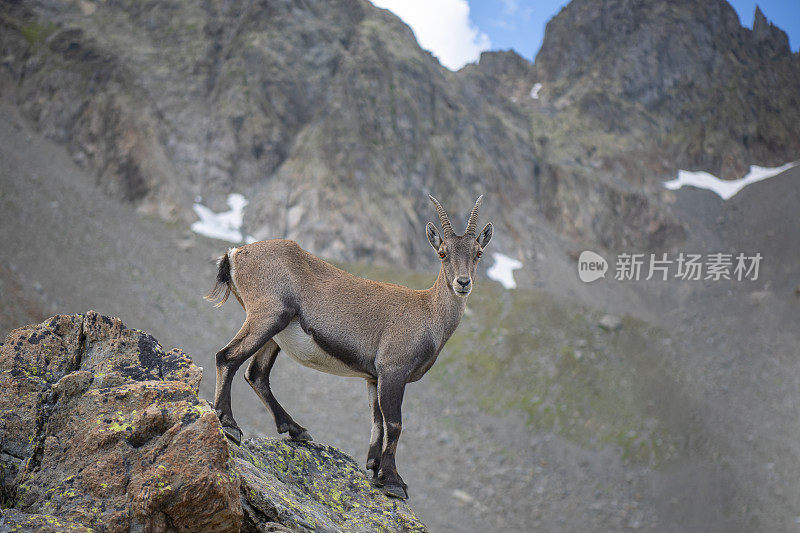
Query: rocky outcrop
x,y
102,429
769,37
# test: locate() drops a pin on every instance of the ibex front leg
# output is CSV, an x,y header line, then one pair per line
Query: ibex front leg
x,y
376,434
390,398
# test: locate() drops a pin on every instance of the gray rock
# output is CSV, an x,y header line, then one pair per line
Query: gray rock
x,y
92,435
610,323
308,486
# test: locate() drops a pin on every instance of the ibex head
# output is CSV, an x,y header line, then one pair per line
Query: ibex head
x,y
459,253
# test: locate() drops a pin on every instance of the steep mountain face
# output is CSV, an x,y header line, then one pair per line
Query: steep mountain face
x,y
330,118
712,94
326,115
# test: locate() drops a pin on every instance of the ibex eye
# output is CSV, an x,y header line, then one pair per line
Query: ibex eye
x,y
441,254
479,253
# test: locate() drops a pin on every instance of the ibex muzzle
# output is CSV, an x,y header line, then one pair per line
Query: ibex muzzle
x,y
333,321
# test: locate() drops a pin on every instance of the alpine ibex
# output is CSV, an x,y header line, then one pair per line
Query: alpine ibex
x,y
333,321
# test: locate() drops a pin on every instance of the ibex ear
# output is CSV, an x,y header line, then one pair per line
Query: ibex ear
x,y
486,235
433,236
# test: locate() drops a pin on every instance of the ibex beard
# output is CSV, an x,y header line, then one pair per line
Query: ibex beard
x,y
333,321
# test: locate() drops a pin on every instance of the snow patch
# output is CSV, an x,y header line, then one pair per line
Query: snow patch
x,y
535,90
502,270
725,188
226,225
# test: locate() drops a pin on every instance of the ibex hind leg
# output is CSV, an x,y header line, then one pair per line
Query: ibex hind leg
x,y
257,376
254,333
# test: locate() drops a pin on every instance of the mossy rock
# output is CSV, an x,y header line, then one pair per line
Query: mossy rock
x,y
313,487
16,521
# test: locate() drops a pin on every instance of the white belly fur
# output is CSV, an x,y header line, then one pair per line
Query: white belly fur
x,y
302,348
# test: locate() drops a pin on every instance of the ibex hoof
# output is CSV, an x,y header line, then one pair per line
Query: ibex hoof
x,y
304,436
395,491
233,433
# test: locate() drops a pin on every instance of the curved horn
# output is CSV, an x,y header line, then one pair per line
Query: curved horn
x,y
473,217
443,218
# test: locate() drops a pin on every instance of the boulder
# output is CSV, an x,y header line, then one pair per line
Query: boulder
x,y
101,429
17,521
610,323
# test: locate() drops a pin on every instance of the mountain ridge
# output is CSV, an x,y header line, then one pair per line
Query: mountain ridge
x,y
331,119
716,95
332,112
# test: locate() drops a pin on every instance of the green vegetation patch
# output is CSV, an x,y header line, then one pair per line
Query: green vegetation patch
x,y
37,32
528,352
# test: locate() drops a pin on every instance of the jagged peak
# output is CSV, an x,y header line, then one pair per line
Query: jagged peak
x,y
759,17
768,36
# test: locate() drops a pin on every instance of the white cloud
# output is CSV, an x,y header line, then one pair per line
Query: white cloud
x,y
443,27
512,15
510,6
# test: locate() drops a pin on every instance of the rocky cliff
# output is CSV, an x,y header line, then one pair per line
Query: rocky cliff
x,y
102,430
682,80
330,118
325,114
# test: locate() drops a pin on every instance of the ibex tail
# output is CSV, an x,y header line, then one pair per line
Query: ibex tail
x,y
223,280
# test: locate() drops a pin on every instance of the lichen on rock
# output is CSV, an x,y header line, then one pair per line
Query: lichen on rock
x,y
313,487
100,428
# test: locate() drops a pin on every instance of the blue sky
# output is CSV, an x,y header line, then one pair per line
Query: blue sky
x,y
456,31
